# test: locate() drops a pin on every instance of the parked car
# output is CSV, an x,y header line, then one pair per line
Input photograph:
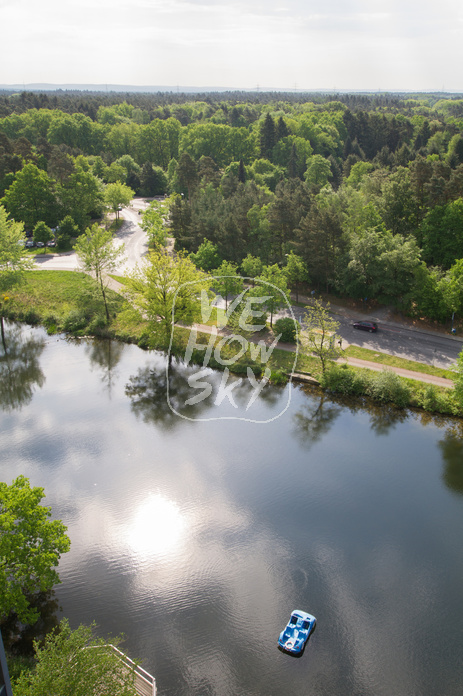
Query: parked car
x,y
40,244
29,243
370,326
51,243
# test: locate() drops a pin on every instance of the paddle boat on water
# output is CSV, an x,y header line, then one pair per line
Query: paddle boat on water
x,y
296,634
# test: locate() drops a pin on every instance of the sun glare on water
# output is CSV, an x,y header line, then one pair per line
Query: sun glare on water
x,y
158,527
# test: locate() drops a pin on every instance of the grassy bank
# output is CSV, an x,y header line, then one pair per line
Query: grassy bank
x,y
67,301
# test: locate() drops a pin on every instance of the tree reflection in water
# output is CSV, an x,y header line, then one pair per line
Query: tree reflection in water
x,y
18,638
317,417
452,454
20,371
105,354
148,393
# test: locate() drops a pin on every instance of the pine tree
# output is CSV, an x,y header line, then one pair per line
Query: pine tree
x,y
241,172
267,137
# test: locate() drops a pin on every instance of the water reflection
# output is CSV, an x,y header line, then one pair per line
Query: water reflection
x,y
18,638
105,354
148,393
158,527
20,371
321,411
315,419
452,454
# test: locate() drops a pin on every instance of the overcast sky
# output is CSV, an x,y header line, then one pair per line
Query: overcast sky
x,y
282,44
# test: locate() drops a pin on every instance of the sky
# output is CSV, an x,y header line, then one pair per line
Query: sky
x,y
385,45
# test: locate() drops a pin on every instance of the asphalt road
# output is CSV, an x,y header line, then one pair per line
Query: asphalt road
x,y
428,347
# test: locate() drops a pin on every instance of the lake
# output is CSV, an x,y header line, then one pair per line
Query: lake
x,y
196,537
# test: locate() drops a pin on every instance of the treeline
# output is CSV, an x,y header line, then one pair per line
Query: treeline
x,y
367,190
88,102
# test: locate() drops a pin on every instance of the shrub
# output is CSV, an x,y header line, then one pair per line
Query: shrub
x,y
277,377
75,321
287,328
51,323
436,401
342,380
386,386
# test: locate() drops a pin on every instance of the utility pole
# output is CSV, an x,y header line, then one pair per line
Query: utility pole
x,y
5,684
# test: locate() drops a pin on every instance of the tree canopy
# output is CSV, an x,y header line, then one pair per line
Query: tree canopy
x,y
30,548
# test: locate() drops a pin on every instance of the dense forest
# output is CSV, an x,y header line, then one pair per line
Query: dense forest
x,y
366,189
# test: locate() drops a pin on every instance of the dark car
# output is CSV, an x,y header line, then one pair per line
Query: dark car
x,y
365,326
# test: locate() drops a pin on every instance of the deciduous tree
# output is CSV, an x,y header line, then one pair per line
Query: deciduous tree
x,y
319,334
13,260
117,195
227,281
296,271
77,663
30,547
166,288
98,254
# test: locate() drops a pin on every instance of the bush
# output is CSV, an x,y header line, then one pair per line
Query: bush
x,y
75,321
277,377
51,323
342,380
386,386
436,401
287,328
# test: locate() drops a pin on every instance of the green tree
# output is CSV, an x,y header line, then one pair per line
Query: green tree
x,y
67,229
97,254
31,197
81,196
267,136
227,281
117,195
154,224
287,327
381,265
296,271
318,172
442,231
167,287
272,285
207,258
42,233
252,266
186,174
13,260
77,663
319,334
30,548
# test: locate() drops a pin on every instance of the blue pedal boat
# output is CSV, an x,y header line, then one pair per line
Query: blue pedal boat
x,y
297,632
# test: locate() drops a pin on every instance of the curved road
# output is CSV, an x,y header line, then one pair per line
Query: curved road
x,y
130,234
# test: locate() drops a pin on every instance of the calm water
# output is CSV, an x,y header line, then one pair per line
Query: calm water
x,y
197,538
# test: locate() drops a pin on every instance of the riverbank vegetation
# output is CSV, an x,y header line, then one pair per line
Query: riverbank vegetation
x,y
72,302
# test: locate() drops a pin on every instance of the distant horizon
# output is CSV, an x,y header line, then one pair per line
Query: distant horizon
x,y
338,46
198,89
